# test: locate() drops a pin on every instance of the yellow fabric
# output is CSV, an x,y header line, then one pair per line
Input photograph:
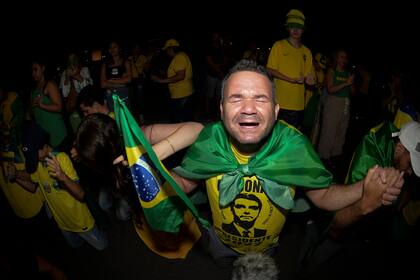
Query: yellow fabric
x,y
401,118
184,87
24,203
292,62
112,115
171,246
295,17
69,213
270,219
137,65
6,108
171,43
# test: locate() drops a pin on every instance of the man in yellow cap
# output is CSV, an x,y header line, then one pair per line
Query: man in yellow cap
x,y
179,80
290,62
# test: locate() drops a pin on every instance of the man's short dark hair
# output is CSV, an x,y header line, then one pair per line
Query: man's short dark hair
x,y
252,66
89,95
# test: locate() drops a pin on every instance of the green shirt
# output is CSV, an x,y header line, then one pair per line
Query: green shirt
x,y
377,147
339,78
51,122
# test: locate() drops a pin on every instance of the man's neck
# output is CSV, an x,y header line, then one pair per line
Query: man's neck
x,y
295,42
246,149
104,110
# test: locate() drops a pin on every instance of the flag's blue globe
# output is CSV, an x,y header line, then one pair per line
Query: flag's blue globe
x,y
145,178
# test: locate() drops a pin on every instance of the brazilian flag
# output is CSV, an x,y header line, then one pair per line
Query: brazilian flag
x,y
162,200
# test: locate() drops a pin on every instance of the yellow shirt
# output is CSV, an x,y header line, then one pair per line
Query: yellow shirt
x,y
137,65
292,62
184,87
401,118
265,222
69,213
24,203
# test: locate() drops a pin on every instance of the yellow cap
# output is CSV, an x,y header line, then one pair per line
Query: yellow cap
x,y
295,19
171,43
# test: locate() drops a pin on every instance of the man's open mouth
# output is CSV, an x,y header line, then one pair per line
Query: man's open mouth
x,y
249,124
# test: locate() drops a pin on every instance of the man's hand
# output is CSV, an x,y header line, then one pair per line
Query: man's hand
x,y
381,186
310,80
55,169
394,181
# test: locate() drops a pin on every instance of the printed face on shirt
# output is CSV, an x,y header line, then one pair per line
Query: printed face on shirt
x,y
248,110
245,210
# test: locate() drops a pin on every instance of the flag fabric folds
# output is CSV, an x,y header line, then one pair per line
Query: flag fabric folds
x,y
162,200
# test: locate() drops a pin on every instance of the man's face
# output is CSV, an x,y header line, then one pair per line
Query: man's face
x,y
403,159
88,110
246,210
248,110
295,33
43,153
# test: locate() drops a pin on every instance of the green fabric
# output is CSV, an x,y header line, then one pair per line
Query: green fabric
x,y
168,214
339,78
51,122
377,147
311,110
286,159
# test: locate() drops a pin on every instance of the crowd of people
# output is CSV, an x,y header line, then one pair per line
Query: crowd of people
x,y
253,133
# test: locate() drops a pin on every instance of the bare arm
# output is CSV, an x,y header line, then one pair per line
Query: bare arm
x,y
336,196
336,88
284,77
118,82
186,185
73,187
53,93
376,192
125,79
167,139
24,180
179,76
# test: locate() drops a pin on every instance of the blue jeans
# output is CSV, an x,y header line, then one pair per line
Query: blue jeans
x,y
94,237
122,208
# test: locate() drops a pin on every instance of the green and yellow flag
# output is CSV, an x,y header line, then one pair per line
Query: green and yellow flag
x,y
162,200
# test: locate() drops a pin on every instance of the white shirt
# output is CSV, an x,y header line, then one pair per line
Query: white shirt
x,y
65,83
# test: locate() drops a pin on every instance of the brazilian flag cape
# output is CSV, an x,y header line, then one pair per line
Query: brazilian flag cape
x,y
162,200
286,159
377,147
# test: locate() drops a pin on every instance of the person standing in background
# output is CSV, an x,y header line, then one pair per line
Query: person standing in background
x,y
290,63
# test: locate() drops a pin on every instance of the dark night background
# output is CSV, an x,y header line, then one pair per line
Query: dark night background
x,y
382,33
